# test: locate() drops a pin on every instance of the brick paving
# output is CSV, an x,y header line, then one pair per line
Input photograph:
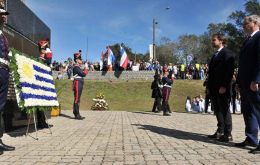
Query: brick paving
x,y
116,138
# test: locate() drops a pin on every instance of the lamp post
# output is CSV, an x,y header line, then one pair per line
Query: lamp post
x,y
154,55
154,46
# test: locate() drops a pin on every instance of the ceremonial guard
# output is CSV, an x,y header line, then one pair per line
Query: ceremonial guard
x,y
78,82
167,81
4,75
46,57
45,51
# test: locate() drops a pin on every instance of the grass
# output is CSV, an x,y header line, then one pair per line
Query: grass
x,y
127,96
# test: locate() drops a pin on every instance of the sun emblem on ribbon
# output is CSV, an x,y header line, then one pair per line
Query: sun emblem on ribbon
x,y
27,70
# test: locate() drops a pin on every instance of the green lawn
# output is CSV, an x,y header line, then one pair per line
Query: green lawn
x,y
127,96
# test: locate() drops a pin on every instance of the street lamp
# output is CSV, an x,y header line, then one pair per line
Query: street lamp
x,y
154,22
154,46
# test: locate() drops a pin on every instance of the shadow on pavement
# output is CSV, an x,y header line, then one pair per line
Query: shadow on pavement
x,y
67,116
179,134
148,113
21,130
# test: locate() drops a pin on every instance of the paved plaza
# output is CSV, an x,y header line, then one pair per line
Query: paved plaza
x,y
128,138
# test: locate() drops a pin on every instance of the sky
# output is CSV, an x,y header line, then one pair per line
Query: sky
x,y
91,25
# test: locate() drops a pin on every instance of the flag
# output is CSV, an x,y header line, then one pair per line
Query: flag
x,y
110,57
124,58
36,82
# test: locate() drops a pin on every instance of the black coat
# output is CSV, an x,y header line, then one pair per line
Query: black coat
x,y
221,69
157,91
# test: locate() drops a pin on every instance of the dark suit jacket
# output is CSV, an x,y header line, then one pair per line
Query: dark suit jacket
x,y
221,69
249,62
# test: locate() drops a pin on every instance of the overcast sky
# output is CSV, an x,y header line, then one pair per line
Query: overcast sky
x,y
106,22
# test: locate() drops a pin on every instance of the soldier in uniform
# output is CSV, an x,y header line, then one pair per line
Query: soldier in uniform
x,y
167,86
45,57
78,82
4,75
45,51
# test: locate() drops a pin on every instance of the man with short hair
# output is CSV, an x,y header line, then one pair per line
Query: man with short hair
x,y
248,79
221,68
4,75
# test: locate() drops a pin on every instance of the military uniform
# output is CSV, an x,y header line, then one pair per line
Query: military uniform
x,y
45,56
78,82
45,51
4,78
166,91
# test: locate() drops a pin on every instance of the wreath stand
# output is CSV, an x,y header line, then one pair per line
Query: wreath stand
x,y
35,125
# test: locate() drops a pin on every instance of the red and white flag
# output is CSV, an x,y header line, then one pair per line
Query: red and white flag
x,y
124,58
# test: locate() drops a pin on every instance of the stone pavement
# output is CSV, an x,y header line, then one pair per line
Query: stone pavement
x,y
128,138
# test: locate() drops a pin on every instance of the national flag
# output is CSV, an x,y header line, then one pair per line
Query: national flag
x,y
36,82
124,58
110,57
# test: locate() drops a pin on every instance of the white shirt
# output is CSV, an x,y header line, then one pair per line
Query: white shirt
x,y
253,33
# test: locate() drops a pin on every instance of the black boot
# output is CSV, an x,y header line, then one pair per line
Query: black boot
x,y
4,147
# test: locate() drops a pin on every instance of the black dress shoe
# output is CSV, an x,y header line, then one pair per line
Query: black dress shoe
x,y
245,143
1,152
216,135
4,147
166,114
225,138
79,117
256,150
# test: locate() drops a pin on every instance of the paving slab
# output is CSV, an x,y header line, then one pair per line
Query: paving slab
x,y
119,137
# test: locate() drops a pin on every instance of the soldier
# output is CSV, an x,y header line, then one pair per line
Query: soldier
x,y
45,57
78,82
167,86
45,51
4,75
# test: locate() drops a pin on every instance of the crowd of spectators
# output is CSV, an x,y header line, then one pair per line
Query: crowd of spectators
x,y
180,71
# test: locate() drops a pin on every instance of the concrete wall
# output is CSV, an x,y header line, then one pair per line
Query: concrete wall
x,y
124,75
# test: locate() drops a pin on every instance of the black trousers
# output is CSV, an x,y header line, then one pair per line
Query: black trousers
x,y
220,103
41,120
206,103
157,104
1,125
4,80
77,88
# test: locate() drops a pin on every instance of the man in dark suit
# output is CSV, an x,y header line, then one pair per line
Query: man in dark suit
x,y
221,69
248,81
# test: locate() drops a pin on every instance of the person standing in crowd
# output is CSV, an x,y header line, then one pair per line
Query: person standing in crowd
x,y
166,91
157,92
4,75
248,79
45,57
78,82
221,69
